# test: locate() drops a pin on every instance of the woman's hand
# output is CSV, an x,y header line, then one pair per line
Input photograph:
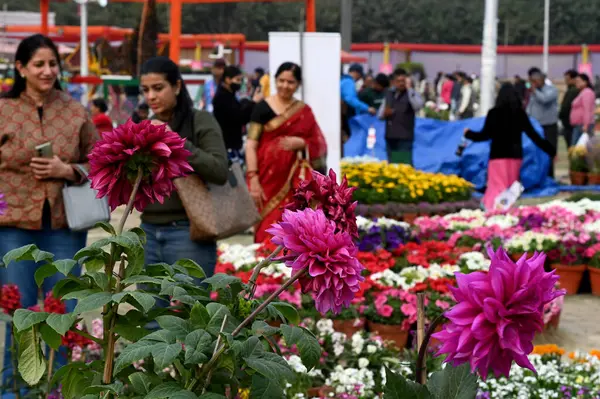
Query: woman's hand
x,y
465,131
293,143
256,192
51,168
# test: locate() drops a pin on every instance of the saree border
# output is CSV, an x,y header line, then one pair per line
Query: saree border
x,y
280,119
283,192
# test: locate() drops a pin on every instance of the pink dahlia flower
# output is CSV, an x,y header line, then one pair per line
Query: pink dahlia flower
x,y
3,205
115,159
311,242
498,314
323,192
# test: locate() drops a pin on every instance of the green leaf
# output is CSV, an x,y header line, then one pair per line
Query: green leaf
x,y
43,272
164,354
94,264
101,279
164,391
61,323
183,394
140,233
212,395
180,327
261,328
141,383
271,365
288,311
145,301
50,337
165,336
128,331
308,345
193,269
106,227
157,269
32,364
221,281
216,320
198,347
25,318
132,353
116,388
28,252
73,384
199,316
141,280
398,387
252,347
93,302
64,265
88,252
80,294
453,383
265,388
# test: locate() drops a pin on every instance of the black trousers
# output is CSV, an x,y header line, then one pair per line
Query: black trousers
x,y
567,133
551,133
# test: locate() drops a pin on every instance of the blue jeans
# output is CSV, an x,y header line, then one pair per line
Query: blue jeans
x,y
578,132
63,243
171,242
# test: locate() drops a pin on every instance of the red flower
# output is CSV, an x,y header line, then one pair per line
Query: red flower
x,y
71,339
10,298
115,159
54,305
225,268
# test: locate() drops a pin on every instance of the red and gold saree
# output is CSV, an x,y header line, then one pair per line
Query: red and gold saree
x,y
280,171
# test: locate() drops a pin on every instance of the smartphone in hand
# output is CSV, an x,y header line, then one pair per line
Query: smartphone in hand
x,y
44,150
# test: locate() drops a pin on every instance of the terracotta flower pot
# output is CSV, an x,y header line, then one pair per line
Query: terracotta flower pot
x,y
409,217
595,280
570,277
516,256
463,250
393,333
594,179
578,178
349,327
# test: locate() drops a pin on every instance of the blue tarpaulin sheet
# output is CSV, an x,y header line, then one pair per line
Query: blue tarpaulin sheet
x,y
435,146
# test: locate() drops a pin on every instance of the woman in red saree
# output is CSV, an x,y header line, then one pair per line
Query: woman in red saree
x,y
284,144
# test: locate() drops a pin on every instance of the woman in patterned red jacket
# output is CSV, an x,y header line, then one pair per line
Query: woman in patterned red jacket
x,y
37,112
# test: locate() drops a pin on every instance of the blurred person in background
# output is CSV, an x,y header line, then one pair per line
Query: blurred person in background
x,y
459,78
210,87
37,112
583,108
466,108
520,87
102,121
447,89
543,106
141,113
373,96
232,114
565,107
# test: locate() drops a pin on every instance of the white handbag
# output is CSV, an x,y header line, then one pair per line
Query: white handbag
x,y
82,208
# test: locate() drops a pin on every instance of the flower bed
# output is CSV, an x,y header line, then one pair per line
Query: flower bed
x,y
383,183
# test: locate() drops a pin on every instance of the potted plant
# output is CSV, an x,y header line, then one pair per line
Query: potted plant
x,y
593,158
351,319
593,254
567,260
391,314
578,165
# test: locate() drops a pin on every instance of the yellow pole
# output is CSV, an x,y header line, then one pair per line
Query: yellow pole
x,y
198,53
585,51
386,53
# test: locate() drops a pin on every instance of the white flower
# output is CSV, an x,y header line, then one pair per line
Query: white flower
x,y
475,261
296,364
502,221
371,349
238,255
325,327
363,363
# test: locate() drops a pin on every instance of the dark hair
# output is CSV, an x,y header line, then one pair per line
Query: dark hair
x,y
586,79
572,73
170,70
508,98
25,52
231,71
143,107
533,71
260,71
382,80
291,67
100,104
399,72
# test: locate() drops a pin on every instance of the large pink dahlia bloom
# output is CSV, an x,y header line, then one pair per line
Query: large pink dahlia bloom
x,y
498,314
324,192
115,159
311,241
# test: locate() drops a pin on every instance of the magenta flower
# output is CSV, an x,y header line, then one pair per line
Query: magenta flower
x,y
3,204
498,314
115,160
311,242
323,192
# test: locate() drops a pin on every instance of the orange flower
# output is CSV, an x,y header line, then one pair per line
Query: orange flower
x,y
550,349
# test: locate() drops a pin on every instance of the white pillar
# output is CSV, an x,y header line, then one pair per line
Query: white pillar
x,y
83,52
488,56
546,35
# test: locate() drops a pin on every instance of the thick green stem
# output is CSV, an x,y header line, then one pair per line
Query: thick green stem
x,y
50,369
111,339
421,368
129,208
13,358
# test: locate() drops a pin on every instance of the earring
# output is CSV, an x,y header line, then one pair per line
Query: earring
x,y
23,76
177,93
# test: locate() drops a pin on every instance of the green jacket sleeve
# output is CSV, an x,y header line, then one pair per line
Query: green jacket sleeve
x,y
209,156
